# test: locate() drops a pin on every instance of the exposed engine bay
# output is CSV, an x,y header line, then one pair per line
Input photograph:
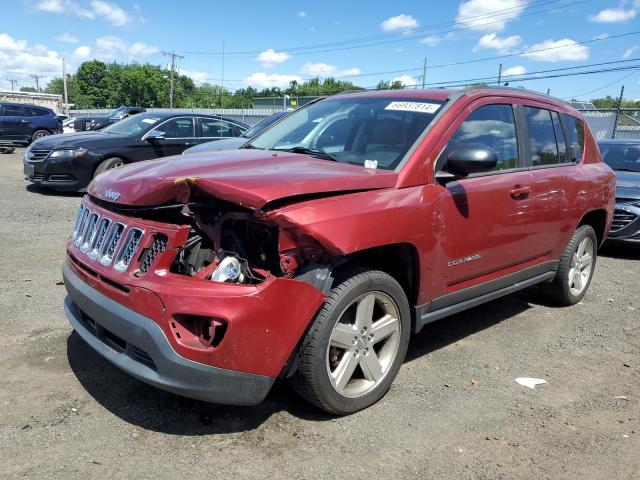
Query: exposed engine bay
x,y
228,243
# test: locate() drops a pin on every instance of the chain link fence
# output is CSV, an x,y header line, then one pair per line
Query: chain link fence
x,y
609,124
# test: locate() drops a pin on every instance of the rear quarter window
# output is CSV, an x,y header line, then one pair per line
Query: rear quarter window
x,y
575,131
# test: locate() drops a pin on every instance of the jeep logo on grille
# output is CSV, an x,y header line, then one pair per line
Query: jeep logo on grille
x,y
112,195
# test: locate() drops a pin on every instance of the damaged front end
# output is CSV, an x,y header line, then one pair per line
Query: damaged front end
x,y
227,243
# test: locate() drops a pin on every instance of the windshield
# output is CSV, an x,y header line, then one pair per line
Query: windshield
x,y
117,113
620,156
133,125
263,124
353,130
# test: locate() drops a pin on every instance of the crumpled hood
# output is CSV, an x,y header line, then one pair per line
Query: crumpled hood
x,y
251,178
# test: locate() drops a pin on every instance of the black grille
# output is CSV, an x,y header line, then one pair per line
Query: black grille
x,y
159,245
621,219
38,154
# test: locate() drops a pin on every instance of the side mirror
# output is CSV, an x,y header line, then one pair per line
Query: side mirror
x,y
468,158
154,135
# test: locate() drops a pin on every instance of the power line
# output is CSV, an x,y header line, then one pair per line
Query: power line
x,y
402,36
605,86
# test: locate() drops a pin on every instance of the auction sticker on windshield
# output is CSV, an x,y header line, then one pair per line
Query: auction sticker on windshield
x,y
413,107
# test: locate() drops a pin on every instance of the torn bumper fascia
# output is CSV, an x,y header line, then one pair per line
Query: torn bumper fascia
x,y
265,322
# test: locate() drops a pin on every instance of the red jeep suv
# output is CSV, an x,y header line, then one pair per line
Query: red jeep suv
x,y
313,252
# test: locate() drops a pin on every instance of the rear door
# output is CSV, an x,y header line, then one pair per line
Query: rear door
x,y
16,122
485,216
555,179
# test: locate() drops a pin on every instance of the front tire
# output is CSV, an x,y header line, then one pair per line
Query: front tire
x,y
108,164
576,268
356,344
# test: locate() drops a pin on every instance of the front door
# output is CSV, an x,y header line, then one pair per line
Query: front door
x,y
485,217
179,134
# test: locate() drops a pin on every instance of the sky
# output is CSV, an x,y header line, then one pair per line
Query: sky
x,y
270,42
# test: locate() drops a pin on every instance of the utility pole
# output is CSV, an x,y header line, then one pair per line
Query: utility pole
x,y
64,88
615,124
424,74
500,75
222,82
37,79
548,91
14,83
173,56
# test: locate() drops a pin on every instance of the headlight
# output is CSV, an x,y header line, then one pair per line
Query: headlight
x,y
69,153
228,270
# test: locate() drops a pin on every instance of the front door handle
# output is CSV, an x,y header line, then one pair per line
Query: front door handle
x,y
519,192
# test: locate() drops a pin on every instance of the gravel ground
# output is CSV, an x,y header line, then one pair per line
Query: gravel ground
x,y
453,412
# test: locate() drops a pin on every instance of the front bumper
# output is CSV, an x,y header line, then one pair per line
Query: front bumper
x,y
137,345
61,174
626,223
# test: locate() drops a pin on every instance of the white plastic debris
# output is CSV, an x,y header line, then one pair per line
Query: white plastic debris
x,y
530,382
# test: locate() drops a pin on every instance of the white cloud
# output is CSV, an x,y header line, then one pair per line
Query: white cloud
x,y
602,36
502,45
110,48
565,50
82,53
302,14
327,70
195,75
270,57
630,51
400,23
98,8
111,12
431,40
265,80
614,15
66,37
18,61
489,15
517,70
406,80
64,6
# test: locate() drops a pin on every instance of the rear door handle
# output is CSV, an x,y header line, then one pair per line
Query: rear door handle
x,y
520,192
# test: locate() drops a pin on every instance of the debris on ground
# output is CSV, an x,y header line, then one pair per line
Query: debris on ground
x,y
530,382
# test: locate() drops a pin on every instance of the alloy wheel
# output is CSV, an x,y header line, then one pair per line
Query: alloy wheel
x,y
364,344
581,266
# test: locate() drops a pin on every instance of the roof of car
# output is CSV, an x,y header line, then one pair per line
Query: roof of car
x,y
16,104
455,93
165,115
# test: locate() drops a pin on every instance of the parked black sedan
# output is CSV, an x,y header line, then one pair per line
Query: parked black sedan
x,y
70,161
623,156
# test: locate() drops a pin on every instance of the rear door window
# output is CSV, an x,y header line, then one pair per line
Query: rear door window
x,y
13,111
214,128
542,137
491,126
560,140
575,131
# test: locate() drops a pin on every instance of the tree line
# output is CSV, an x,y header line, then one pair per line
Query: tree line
x,y
97,84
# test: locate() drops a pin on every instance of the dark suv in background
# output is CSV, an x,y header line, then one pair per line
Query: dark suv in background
x,y
83,124
25,123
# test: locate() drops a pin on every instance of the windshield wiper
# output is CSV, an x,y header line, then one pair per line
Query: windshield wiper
x,y
626,170
251,147
308,151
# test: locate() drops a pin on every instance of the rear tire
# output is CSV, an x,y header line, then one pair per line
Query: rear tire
x,y
575,270
108,164
39,134
356,344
